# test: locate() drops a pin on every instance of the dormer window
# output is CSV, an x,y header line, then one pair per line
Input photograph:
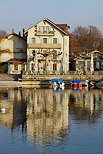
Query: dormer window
x,y
44,29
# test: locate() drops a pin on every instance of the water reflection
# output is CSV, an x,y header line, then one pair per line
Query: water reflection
x,y
15,107
47,116
44,114
86,105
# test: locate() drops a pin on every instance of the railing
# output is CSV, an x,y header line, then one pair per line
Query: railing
x,y
44,46
44,33
62,73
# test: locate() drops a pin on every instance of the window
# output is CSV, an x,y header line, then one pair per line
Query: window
x,y
54,40
15,67
47,29
32,66
44,40
97,65
33,40
23,67
88,65
54,67
81,65
102,65
44,29
18,46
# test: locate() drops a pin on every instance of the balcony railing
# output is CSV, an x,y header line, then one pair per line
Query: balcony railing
x,y
44,46
44,33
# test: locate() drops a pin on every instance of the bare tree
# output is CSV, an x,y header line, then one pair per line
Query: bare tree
x,y
3,33
80,31
89,38
95,32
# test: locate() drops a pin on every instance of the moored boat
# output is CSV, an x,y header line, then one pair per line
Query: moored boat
x,y
99,84
57,82
76,84
80,84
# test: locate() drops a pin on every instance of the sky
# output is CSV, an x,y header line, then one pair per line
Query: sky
x,y
20,14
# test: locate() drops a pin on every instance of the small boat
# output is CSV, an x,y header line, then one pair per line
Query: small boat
x,y
85,83
80,84
99,85
76,84
57,82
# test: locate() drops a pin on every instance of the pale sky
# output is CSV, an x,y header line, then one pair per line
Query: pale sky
x,y
25,13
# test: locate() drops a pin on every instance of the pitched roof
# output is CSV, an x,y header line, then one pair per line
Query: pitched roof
x,y
61,27
17,61
12,34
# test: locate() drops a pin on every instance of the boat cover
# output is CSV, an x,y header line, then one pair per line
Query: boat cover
x,y
57,80
75,81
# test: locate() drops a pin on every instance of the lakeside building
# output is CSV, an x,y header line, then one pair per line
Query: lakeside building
x,y
44,49
87,62
12,47
47,48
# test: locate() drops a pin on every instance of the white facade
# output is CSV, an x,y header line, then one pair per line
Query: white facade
x,y
47,48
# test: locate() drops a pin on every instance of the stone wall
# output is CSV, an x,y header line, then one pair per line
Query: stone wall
x,y
46,79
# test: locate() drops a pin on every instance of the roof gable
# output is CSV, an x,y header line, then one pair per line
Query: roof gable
x,y
60,27
11,35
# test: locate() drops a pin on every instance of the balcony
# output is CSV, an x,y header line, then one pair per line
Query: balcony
x,y
44,33
44,46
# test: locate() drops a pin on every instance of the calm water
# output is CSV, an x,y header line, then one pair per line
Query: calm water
x,y
44,121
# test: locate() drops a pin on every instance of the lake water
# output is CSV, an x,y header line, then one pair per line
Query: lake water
x,y
43,121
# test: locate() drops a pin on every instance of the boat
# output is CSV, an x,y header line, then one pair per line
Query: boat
x,y
76,84
85,83
57,82
80,84
99,84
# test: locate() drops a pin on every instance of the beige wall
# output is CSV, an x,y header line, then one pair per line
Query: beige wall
x,y
62,39
12,47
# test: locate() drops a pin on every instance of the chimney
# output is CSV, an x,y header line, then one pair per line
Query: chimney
x,y
23,32
19,33
12,30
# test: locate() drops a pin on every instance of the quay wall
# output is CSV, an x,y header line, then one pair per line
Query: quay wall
x,y
46,79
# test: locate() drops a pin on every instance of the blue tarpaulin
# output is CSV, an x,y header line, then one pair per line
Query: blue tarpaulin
x,y
75,81
57,80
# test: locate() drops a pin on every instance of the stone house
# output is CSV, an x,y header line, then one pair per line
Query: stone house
x,y
13,46
47,48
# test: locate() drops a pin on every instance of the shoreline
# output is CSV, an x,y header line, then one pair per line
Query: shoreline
x,y
41,81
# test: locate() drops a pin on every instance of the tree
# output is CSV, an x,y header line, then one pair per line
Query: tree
x,y
3,33
88,38
95,32
80,31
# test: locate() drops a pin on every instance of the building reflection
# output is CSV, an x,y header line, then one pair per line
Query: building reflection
x,y
44,114
47,115
12,107
86,105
